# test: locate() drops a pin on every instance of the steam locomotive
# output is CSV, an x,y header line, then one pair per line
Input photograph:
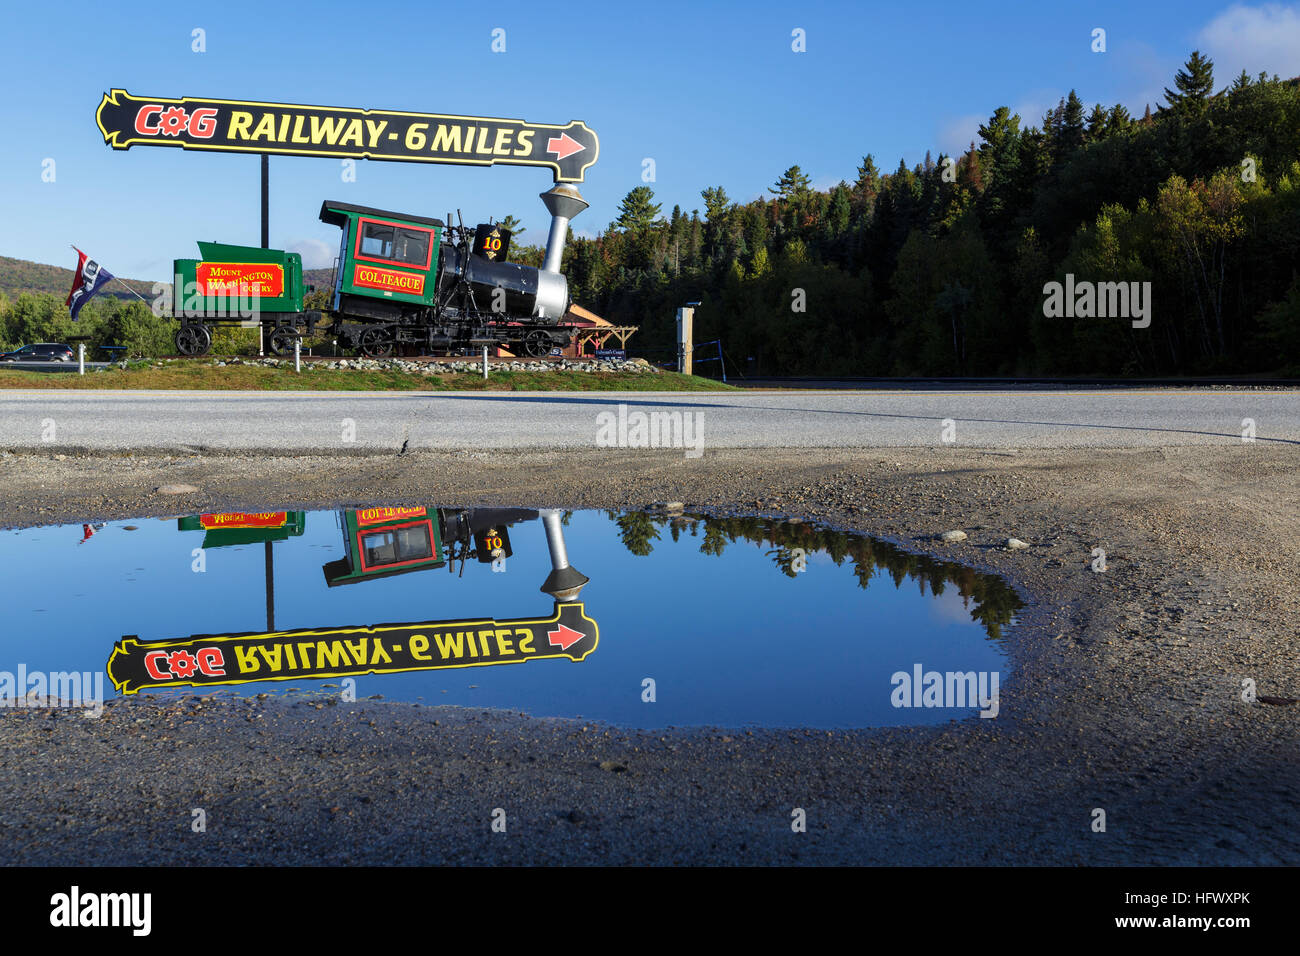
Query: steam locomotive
x,y
401,281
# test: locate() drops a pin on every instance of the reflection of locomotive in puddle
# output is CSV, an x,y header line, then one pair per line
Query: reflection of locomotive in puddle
x,y
379,542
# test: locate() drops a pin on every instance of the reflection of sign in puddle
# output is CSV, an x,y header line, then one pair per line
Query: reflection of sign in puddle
x,y
377,542
350,651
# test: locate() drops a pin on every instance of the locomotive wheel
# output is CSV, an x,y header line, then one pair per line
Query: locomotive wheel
x,y
282,340
375,343
193,340
537,344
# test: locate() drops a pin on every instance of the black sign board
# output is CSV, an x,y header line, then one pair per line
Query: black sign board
x,y
291,129
492,543
611,353
491,242
206,659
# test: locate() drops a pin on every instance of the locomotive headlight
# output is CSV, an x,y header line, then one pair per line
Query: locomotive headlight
x,y
552,295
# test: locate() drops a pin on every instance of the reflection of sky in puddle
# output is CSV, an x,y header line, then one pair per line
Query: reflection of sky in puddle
x,y
729,639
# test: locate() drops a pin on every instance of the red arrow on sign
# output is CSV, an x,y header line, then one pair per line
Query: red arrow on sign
x,y
564,638
563,146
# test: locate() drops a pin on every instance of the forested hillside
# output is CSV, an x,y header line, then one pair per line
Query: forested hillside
x,y
19,275
939,269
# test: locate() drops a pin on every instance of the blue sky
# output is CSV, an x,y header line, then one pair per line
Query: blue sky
x,y
713,93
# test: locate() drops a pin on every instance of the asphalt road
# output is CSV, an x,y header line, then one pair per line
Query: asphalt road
x,y
369,422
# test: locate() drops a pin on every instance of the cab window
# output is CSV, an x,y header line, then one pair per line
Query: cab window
x,y
396,546
412,247
377,240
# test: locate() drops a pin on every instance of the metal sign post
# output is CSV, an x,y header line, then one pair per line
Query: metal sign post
x,y
270,588
266,201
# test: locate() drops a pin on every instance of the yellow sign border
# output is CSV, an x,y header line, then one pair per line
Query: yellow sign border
x,y
121,648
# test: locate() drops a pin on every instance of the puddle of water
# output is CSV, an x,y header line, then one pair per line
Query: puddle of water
x,y
722,621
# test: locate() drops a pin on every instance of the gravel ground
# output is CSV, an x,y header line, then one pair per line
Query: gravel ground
x,y
1126,694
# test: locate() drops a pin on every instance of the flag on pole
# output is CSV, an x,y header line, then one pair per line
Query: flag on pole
x,y
90,278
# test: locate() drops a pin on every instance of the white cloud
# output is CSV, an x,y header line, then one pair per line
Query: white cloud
x,y
825,184
315,254
950,607
1253,38
956,135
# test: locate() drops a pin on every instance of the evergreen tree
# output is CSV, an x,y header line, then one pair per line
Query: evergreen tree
x,y
1194,84
999,137
1117,120
970,174
837,219
793,184
637,211
1098,124
716,203
1070,133
868,181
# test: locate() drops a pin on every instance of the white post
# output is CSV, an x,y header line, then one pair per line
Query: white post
x,y
297,355
81,358
261,346
485,348
686,340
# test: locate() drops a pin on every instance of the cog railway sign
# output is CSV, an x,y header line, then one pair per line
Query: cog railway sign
x,y
207,659
290,129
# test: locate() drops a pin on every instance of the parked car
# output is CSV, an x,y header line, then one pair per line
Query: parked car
x,y
40,352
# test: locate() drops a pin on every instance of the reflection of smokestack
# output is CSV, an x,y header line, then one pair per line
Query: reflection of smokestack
x,y
563,203
564,582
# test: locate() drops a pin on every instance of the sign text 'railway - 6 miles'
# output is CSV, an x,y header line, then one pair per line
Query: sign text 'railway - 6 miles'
x,y
208,659
290,129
